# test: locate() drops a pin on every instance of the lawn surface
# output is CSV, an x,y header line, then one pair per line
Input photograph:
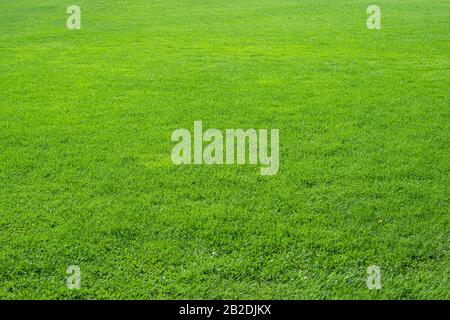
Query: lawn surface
x,y
86,176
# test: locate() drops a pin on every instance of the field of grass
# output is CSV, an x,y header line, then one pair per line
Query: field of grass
x,y
86,176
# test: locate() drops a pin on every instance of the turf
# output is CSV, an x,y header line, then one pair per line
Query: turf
x,y
86,176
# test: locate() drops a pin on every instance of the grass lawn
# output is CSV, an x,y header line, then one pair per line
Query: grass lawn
x,y
86,176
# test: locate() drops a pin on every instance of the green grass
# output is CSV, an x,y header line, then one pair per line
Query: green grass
x,y
86,176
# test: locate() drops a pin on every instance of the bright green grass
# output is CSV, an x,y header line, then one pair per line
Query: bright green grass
x,y
86,176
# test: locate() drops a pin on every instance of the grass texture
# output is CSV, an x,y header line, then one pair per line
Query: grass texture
x,y
86,176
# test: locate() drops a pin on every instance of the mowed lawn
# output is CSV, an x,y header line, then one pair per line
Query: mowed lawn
x,y
86,176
